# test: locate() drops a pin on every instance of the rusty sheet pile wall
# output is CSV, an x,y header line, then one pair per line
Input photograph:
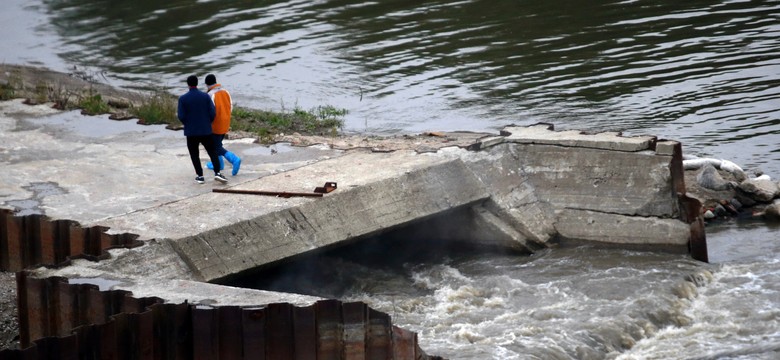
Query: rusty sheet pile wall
x,y
59,320
32,240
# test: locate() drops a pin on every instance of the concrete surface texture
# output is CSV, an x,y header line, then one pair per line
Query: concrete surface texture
x,y
528,188
603,188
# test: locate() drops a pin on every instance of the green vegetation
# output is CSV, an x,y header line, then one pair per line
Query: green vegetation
x,y
7,91
93,104
159,107
41,92
325,120
8,88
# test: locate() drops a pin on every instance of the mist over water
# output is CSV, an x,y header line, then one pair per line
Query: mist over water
x,y
706,73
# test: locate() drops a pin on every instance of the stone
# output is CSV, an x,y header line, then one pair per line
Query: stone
x,y
761,190
772,212
709,177
735,203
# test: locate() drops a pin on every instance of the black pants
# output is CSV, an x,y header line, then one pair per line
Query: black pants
x,y
221,151
208,142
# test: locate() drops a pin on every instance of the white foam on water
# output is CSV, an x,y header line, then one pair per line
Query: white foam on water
x,y
735,312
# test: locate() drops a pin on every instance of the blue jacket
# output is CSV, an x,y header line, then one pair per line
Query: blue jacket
x,y
196,112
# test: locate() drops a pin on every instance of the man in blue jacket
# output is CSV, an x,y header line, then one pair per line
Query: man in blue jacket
x,y
196,112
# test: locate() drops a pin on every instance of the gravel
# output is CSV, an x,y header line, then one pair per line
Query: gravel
x,y
9,324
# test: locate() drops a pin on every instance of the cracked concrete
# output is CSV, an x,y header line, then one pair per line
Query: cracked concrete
x,y
530,188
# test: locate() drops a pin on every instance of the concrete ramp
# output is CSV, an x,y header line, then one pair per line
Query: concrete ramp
x,y
219,234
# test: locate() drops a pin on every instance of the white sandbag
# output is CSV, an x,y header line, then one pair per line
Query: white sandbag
x,y
694,164
730,166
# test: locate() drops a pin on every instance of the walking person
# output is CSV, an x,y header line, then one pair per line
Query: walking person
x,y
224,105
196,111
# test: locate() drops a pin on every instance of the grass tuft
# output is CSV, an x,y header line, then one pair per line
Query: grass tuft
x,y
93,104
157,108
324,120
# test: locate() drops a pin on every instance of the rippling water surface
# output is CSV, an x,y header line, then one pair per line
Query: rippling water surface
x,y
703,72
706,73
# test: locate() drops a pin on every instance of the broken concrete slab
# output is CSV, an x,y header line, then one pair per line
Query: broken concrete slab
x,y
521,190
545,134
621,230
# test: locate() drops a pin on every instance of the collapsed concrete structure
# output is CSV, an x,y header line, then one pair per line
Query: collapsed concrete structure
x,y
524,189
527,189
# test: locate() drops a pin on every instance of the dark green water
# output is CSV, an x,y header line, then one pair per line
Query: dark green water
x,y
706,73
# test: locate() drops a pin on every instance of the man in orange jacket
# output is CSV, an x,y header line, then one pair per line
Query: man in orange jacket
x,y
221,124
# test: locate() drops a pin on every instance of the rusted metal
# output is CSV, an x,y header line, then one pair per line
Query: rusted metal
x,y
355,330
279,341
205,342
329,330
328,187
379,336
78,321
697,246
35,240
305,332
318,191
404,343
690,208
281,194
229,332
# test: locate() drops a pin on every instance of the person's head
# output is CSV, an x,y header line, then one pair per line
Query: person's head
x,y
211,79
192,81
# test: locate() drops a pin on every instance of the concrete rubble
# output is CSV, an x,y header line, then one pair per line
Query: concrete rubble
x,y
526,188
530,187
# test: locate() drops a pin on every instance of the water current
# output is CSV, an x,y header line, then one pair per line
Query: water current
x,y
706,73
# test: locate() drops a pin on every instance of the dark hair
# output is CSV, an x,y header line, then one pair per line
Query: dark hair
x,y
192,80
211,79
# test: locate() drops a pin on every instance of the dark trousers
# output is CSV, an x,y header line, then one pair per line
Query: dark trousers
x,y
193,142
218,144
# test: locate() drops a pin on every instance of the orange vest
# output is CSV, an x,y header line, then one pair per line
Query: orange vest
x,y
224,104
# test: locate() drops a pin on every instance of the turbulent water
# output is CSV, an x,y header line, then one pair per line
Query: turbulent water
x,y
706,73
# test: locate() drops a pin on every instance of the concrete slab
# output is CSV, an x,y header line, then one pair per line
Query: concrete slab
x,y
67,166
175,291
521,189
601,228
544,134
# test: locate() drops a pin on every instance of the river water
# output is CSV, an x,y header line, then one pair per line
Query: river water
x,y
706,73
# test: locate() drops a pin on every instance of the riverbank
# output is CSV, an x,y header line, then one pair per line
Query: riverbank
x,y
151,104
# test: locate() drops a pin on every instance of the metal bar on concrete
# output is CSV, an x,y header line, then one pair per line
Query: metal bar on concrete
x,y
282,194
318,191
